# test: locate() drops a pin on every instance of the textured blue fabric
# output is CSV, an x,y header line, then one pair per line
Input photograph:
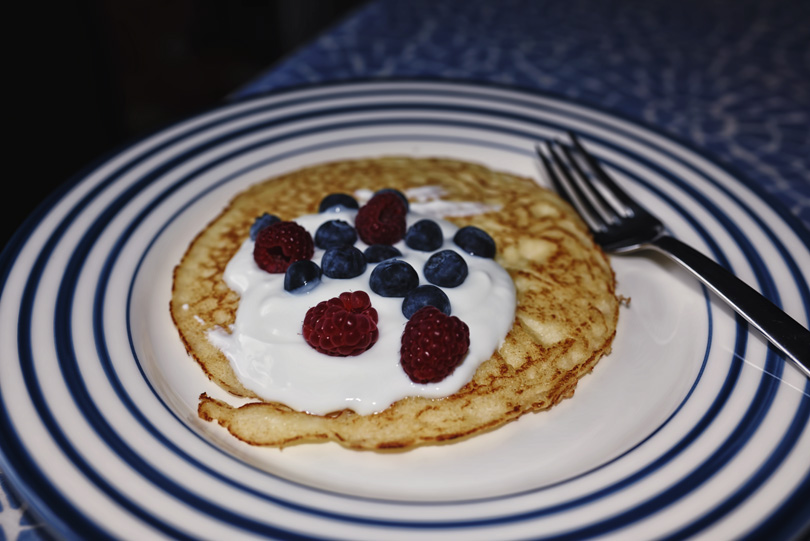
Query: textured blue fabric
x,y
728,77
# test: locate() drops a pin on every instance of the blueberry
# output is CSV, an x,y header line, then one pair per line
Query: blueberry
x,y
445,269
343,262
425,295
338,199
475,241
424,235
335,233
261,222
302,276
393,278
380,252
398,193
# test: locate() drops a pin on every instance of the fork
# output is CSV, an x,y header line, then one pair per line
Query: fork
x,y
619,224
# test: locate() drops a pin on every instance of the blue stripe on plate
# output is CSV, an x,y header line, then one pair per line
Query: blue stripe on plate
x,y
797,426
65,301
774,364
58,506
263,162
109,264
97,228
79,524
127,197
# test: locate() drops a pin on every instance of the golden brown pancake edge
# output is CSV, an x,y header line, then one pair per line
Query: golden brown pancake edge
x,y
564,324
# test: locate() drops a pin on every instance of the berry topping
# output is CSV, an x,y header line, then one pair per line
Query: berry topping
x,y
446,269
398,194
343,262
338,199
382,219
261,222
433,345
380,252
393,278
425,295
280,244
302,276
475,241
424,235
335,233
342,326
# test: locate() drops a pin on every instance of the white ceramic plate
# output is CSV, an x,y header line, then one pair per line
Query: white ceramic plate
x,y
691,427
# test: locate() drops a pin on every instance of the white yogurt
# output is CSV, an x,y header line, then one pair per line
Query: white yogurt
x,y
270,356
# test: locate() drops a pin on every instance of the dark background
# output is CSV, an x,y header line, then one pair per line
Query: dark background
x,y
89,76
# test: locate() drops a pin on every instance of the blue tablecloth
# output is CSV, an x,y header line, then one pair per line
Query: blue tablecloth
x,y
729,77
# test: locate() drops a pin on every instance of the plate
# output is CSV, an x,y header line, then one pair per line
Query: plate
x,y
692,427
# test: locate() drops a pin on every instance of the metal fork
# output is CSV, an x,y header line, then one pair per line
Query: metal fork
x,y
619,224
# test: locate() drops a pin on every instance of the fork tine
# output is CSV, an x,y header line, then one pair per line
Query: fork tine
x,y
643,230
559,187
604,208
565,185
604,178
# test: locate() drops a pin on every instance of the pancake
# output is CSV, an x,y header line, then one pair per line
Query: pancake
x,y
564,323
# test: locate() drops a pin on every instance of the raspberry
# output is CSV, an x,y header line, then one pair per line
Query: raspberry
x,y
280,244
433,345
342,326
382,219
398,194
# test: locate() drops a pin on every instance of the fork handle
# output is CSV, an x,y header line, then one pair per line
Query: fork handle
x,y
779,328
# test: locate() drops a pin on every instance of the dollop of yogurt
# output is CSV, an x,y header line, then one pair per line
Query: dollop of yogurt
x,y
269,355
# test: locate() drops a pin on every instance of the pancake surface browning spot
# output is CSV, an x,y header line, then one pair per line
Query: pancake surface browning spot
x,y
565,319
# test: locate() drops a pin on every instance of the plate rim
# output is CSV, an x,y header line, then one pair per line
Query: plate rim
x,y
19,239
